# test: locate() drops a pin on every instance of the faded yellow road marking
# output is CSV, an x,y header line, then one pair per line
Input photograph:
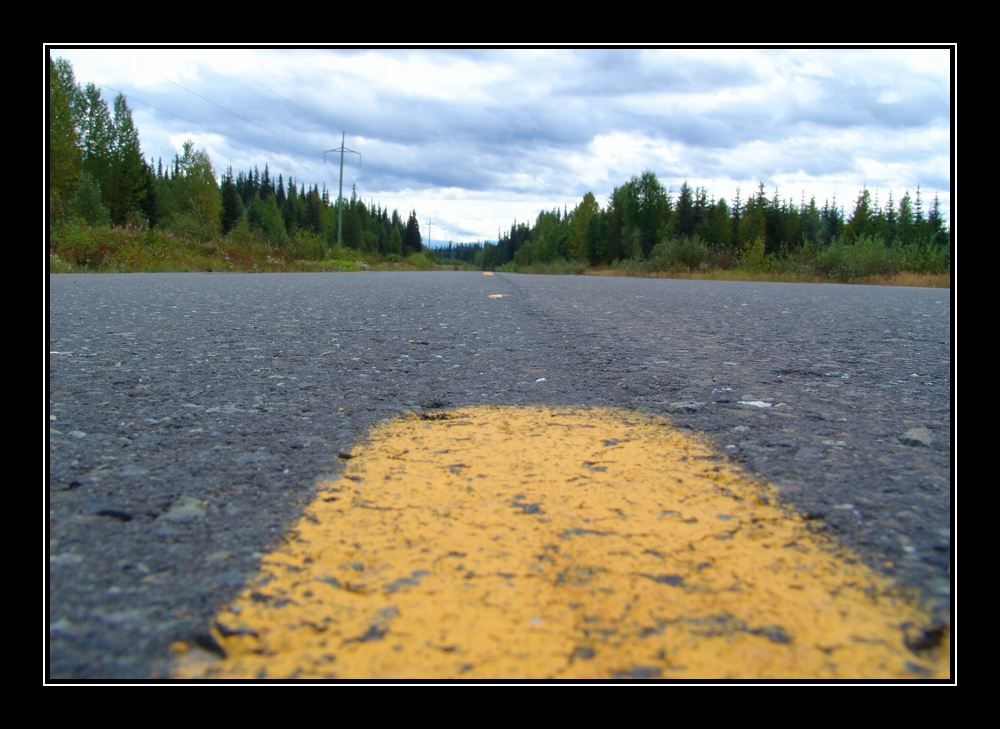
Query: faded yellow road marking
x,y
568,543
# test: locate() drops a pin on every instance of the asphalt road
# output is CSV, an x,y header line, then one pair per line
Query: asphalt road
x,y
191,416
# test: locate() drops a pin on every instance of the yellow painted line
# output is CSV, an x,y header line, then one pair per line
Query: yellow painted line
x,y
559,543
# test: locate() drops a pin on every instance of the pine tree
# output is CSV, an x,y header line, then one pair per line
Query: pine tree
x,y
314,211
266,186
753,222
65,159
412,242
683,220
939,235
97,140
715,229
904,221
290,210
128,169
280,192
232,205
811,224
862,221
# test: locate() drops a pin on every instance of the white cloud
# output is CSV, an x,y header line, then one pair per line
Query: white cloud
x,y
476,138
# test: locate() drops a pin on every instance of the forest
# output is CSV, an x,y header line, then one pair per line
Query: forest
x,y
111,209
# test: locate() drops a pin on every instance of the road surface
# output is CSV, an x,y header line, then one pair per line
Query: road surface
x,y
193,418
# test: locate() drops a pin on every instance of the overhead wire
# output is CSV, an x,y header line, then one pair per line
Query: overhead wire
x,y
366,169
238,116
185,119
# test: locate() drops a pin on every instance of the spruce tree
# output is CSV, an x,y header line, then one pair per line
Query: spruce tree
x,y
97,140
128,174
65,159
412,242
862,221
232,205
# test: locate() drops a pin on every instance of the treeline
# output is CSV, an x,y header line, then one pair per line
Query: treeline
x,y
644,223
99,178
281,214
460,252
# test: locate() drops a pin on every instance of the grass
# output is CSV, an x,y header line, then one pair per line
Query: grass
x,y
926,280
77,248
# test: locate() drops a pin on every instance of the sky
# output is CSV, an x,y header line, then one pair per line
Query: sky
x,y
474,139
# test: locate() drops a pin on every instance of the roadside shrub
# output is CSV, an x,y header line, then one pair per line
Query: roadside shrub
x,y
423,261
632,266
78,244
865,256
87,202
753,258
686,253
241,236
58,265
192,227
306,245
924,258
560,266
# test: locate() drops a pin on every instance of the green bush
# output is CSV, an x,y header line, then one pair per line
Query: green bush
x,y
87,202
633,266
306,245
425,260
754,258
78,244
192,227
924,258
865,256
686,253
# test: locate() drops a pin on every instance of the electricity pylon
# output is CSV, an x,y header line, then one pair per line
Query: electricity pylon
x,y
340,193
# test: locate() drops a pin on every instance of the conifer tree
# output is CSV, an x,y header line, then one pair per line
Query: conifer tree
x,y
682,219
862,221
128,169
65,159
232,205
579,226
412,242
290,211
280,192
904,220
97,140
939,235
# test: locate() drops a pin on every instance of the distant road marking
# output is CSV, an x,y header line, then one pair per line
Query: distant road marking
x,y
530,543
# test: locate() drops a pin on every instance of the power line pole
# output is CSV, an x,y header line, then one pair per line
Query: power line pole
x,y
340,194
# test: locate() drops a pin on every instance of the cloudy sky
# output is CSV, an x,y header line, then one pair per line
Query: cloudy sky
x,y
474,139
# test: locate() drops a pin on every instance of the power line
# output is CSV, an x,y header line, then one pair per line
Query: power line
x,y
248,121
287,101
189,121
367,168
